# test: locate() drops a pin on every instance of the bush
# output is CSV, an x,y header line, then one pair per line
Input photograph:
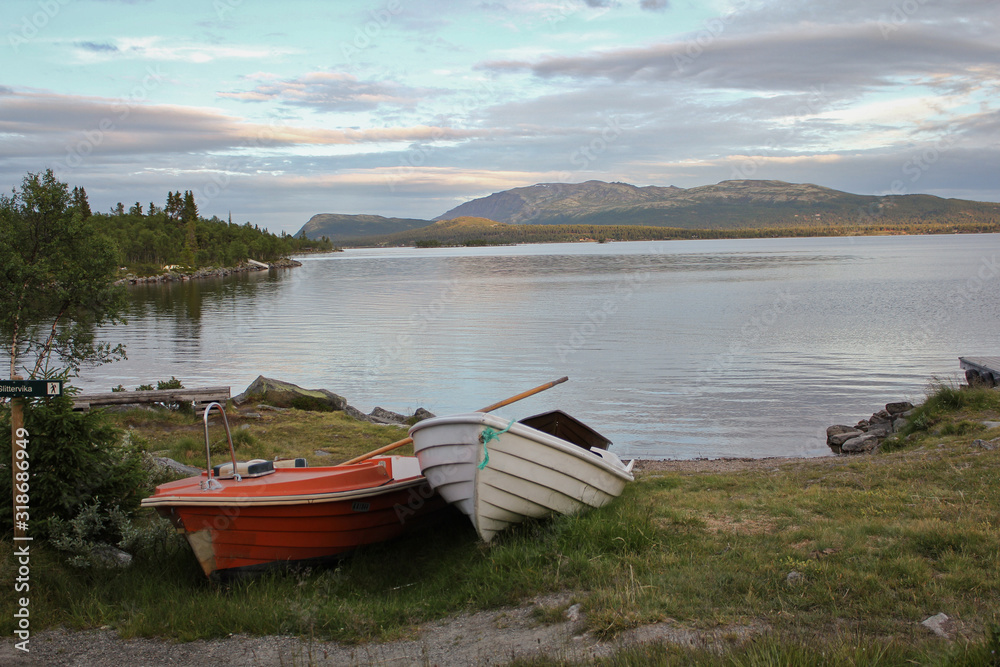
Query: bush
x,y
77,459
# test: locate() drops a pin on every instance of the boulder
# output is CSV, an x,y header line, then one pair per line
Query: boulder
x,y
383,416
422,414
287,395
861,444
898,408
176,466
838,439
880,417
838,429
880,430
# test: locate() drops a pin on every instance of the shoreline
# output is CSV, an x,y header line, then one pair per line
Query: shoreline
x,y
208,272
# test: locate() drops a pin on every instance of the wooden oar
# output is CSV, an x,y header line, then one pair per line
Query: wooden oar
x,y
488,408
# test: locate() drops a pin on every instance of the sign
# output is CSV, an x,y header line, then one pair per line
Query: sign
x,y
32,388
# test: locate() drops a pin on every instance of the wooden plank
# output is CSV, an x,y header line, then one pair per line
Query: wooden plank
x,y
194,395
991,363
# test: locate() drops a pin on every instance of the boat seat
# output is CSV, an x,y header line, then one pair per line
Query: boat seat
x,y
291,463
252,468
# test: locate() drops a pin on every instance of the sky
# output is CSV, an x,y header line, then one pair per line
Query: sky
x,y
271,112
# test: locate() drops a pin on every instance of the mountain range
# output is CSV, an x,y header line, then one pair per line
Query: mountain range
x,y
735,204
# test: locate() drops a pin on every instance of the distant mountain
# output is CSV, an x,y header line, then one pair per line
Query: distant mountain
x,y
729,204
338,227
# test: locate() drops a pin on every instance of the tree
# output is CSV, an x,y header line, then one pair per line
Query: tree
x,y
189,217
56,281
80,202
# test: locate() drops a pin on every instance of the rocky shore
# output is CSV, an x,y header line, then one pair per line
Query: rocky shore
x,y
268,393
208,272
868,434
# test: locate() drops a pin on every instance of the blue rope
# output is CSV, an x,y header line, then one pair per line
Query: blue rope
x,y
487,435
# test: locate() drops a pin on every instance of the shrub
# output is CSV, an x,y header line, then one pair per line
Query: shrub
x,y
76,458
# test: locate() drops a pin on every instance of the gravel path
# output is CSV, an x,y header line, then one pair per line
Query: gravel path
x,y
484,638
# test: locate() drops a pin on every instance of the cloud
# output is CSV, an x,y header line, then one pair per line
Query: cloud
x,y
654,5
49,125
329,91
162,50
845,56
97,47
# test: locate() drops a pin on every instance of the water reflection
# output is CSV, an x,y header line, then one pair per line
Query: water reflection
x,y
675,349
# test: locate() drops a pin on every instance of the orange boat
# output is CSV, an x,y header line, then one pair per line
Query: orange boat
x,y
244,516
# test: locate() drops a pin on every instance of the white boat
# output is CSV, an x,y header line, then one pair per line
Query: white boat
x,y
500,473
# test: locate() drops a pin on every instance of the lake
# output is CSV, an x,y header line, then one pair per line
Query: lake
x,y
674,349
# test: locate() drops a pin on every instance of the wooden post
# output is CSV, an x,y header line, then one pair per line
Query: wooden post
x,y
16,426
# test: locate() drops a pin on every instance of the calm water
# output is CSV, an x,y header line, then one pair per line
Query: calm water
x,y
676,349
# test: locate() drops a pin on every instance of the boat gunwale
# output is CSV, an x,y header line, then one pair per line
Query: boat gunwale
x,y
522,430
190,500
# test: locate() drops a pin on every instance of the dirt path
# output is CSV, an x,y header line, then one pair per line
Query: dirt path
x,y
484,638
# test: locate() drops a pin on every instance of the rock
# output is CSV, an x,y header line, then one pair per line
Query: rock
x,y
880,430
288,395
422,414
322,452
176,466
898,408
839,439
989,424
988,445
898,424
837,430
384,416
353,412
940,625
880,417
108,556
573,614
795,578
860,445
862,425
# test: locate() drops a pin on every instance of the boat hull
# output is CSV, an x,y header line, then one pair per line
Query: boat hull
x,y
296,514
519,473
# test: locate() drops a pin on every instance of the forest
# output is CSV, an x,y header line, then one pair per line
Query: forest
x,y
152,237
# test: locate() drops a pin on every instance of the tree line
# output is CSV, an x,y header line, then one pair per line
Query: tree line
x,y
175,234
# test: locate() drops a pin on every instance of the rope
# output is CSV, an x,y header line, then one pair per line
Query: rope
x,y
487,435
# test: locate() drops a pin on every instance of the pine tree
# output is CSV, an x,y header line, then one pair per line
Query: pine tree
x,y
80,202
189,217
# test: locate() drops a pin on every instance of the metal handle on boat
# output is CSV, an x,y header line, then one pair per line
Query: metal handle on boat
x,y
212,483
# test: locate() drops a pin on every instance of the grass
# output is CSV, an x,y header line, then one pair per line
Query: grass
x,y
881,542
323,438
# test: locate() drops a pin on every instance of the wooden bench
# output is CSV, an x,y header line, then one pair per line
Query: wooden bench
x,y
198,396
